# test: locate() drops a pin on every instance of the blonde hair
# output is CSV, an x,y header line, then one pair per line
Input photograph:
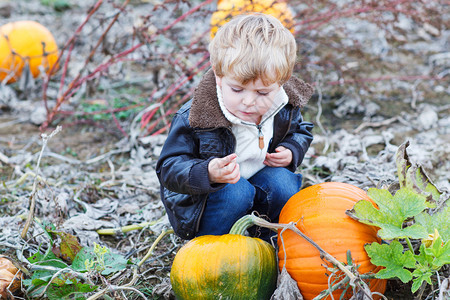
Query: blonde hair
x,y
254,46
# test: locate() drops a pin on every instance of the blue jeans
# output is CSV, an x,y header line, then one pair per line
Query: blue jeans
x,y
266,192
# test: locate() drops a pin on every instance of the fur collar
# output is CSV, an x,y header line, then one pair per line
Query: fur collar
x,y
205,110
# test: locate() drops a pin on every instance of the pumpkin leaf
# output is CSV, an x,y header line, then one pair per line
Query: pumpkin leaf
x,y
391,257
392,213
420,275
423,259
440,252
414,176
438,220
414,231
423,271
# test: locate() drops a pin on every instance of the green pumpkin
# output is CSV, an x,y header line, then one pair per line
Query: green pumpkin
x,y
230,266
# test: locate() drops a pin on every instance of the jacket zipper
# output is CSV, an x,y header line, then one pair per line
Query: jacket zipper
x,y
259,126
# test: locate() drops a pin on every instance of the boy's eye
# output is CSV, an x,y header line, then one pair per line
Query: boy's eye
x,y
263,93
236,90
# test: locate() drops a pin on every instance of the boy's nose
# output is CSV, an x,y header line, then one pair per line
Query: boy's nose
x,y
248,100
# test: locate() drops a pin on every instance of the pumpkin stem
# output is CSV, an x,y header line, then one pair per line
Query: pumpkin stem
x,y
248,221
242,224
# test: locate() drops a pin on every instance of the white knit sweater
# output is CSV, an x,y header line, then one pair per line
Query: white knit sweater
x,y
250,156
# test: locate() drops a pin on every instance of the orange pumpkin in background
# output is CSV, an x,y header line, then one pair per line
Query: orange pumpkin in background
x,y
26,42
319,212
226,9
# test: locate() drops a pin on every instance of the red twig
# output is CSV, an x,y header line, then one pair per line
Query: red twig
x,y
70,43
172,110
173,89
99,112
74,86
76,83
118,125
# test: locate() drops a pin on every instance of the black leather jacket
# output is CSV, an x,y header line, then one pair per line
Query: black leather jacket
x,y
199,132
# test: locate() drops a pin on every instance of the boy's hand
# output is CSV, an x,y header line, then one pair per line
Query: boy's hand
x,y
281,158
224,170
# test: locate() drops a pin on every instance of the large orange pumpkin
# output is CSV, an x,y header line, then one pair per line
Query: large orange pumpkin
x,y
25,42
226,9
319,212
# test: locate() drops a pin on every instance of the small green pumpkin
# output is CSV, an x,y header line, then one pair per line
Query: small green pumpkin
x,y
230,266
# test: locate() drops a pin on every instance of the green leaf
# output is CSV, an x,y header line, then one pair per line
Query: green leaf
x,y
414,176
423,259
39,280
35,290
48,259
55,292
83,254
391,213
405,203
44,279
113,262
48,253
38,256
440,252
420,275
439,221
40,277
64,286
391,257
423,271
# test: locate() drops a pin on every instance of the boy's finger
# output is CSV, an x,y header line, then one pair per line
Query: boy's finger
x,y
228,159
234,168
231,156
274,155
235,175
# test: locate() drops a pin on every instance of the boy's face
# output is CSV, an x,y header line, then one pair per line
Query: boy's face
x,y
249,102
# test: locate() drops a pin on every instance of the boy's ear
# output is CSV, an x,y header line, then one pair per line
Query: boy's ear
x,y
218,79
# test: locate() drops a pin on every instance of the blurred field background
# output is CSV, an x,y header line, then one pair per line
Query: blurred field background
x,y
381,76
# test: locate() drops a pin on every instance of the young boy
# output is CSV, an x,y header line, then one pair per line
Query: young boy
x,y
233,149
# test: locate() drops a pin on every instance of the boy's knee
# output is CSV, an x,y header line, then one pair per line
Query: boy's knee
x,y
279,184
242,197
240,189
238,198
280,178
